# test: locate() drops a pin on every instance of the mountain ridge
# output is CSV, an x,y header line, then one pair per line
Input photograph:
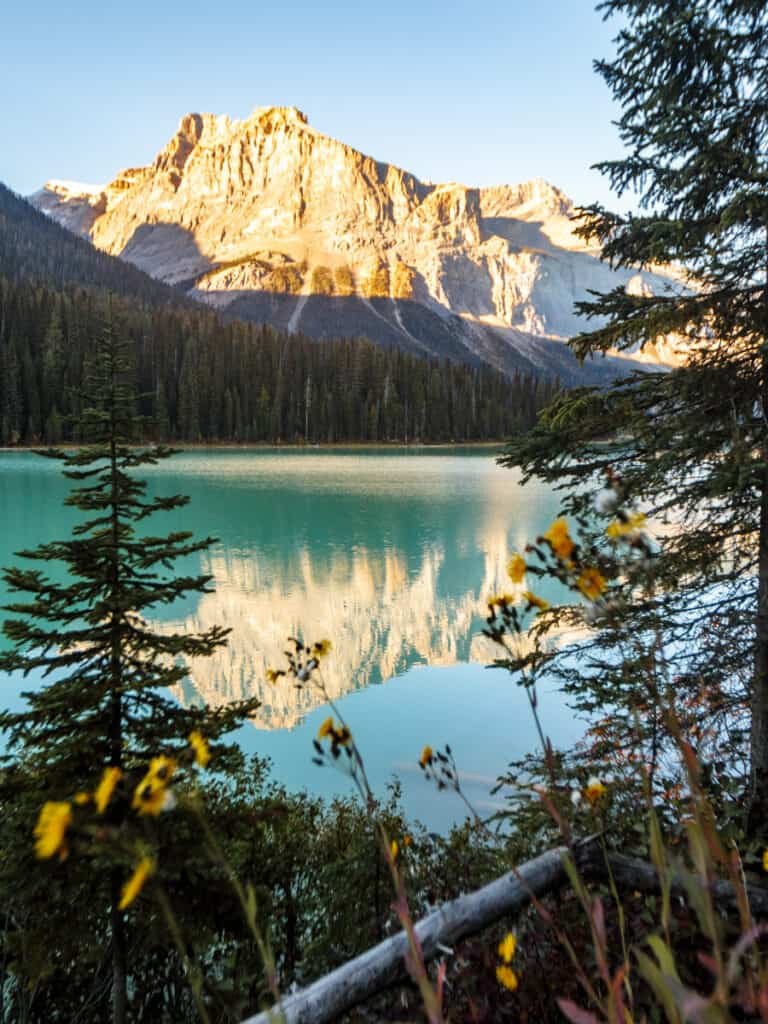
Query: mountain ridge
x,y
268,219
35,248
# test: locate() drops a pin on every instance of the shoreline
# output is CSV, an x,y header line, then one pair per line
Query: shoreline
x,y
263,446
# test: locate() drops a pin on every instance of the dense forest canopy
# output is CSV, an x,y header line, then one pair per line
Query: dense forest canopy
x,y
34,247
205,380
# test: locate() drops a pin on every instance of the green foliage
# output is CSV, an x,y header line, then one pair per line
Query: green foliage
x,y
201,380
106,701
669,662
689,446
34,247
322,893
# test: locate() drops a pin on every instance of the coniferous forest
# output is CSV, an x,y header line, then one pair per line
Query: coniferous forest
x,y
203,380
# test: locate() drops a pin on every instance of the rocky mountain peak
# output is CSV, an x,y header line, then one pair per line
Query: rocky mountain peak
x,y
274,221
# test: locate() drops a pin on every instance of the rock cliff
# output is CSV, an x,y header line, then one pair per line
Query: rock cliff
x,y
273,221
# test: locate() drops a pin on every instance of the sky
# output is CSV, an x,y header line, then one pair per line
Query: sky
x,y
477,92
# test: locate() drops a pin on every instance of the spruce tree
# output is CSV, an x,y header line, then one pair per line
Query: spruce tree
x,y
107,701
691,77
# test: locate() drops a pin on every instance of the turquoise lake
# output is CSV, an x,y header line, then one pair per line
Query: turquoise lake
x,y
388,553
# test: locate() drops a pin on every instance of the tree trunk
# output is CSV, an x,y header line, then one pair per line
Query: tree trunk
x,y
384,964
758,796
119,953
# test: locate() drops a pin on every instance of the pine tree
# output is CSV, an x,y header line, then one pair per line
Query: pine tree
x,y
691,77
107,701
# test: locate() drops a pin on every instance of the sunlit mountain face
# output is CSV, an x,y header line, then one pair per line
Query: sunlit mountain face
x,y
270,220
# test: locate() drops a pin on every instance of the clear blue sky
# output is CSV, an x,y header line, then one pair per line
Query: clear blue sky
x,y
477,92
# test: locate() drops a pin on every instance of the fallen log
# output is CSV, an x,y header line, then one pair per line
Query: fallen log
x,y
633,873
382,966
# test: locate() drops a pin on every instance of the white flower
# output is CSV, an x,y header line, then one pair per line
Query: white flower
x,y
606,501
593,612
575,797
169,800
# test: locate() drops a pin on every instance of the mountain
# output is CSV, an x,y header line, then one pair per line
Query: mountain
x,y
34,248
267,219
203,377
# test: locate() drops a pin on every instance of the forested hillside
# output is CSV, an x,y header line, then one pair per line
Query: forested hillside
x,y
32,246
205,380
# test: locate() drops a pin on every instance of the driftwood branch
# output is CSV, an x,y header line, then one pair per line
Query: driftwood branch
x,y
633,873
382,966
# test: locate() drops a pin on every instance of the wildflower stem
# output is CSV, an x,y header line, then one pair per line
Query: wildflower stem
x,y
621,918
193,972
248,905
415,961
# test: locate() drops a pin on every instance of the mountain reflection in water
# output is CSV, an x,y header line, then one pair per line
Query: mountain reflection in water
x,y
390,554
389,557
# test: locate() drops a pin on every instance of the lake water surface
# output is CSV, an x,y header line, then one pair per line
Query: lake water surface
x,y
389,554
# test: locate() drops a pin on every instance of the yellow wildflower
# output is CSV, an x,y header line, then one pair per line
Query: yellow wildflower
x,y
507,948
51,829
342,735
595,790
135,883
103,794
506,977
560,539
408,841
161,768
627,524
591,583
198,743
321,648
339,735
426,756
516,568
82,798
535,601
273,674
151,796
394,849
500,599
765,860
